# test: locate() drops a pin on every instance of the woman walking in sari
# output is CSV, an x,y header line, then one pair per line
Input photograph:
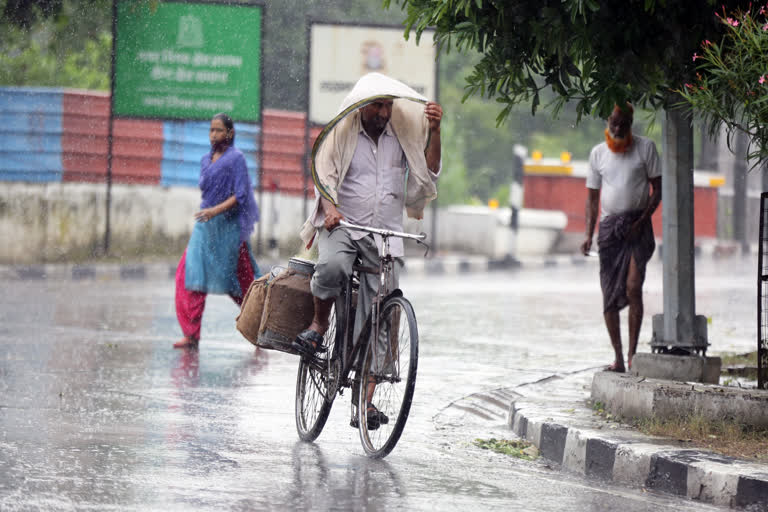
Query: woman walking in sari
x,y
218,258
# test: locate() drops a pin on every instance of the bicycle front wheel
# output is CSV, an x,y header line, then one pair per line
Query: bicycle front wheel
x,y
388,378
316,385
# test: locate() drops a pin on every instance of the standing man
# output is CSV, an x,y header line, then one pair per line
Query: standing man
x,y
622,168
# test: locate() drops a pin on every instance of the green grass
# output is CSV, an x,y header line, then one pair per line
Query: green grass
x,y
515,448
732,359
726,437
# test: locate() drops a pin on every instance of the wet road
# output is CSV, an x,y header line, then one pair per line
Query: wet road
x,y
98,412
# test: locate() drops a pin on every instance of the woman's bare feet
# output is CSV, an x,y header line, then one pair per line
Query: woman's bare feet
x,y
615,367
186,342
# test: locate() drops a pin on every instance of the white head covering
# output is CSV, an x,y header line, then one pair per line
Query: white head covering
x,y
371,87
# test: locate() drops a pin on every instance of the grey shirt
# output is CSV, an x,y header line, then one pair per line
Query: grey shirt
x,y
373,191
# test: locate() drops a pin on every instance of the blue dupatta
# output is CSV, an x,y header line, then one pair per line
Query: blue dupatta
x,y
212,255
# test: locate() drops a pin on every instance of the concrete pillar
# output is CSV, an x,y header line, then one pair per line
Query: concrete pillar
x,y
739,205
764,176
516,197
708,155
678,330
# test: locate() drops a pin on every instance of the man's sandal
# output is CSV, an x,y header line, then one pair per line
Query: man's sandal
x,y
308,342
375,418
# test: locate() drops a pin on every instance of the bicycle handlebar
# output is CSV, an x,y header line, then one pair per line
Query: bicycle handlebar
x,y
383,232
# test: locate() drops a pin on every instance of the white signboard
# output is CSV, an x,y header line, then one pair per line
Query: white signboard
x,y
341,54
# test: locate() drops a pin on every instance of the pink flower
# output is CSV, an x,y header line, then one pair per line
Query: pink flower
x,y
695,57
706,42
765,27
732,21
761,80
689,86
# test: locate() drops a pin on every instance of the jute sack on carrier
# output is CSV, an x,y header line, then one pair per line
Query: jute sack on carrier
x,y
288,310
248,321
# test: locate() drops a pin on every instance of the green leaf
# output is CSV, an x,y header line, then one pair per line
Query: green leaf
x,y
503,115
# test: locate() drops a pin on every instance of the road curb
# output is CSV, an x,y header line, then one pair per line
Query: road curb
x,y
162,271
440,265
627,458
85,272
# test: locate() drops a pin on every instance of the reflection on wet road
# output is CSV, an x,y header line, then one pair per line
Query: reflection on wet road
x,y
97,411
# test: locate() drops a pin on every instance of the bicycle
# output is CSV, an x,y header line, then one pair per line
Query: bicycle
x,y
380,365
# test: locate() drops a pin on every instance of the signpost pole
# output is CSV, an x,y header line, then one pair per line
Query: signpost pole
x,y
307,124
435,209
110,134
260,173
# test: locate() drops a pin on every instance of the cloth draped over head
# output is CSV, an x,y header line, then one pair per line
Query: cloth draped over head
x,y
335,145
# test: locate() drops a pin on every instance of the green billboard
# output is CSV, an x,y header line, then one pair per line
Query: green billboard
x,y
187,60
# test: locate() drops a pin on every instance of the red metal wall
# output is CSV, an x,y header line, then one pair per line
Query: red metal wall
x,y
138,153
137,148
138,145
569,194
284,151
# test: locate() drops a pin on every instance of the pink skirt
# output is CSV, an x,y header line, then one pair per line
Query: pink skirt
x,y
190,304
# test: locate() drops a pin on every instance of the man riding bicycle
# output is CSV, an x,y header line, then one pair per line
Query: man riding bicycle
x,y
382,157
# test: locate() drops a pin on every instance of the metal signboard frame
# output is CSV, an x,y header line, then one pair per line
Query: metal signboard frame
x,y
211,70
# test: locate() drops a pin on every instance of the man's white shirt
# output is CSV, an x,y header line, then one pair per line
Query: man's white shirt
x,y
623,178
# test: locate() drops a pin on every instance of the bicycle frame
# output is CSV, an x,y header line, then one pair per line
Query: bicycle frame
x,y
350,349
379,366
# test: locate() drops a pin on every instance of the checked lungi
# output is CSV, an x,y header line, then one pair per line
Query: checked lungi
x,y
616,251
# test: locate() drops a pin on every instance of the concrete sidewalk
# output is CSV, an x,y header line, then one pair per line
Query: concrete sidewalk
x,y
554,414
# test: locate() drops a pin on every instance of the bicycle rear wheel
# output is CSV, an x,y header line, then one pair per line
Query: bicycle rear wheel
x,y
391,368
316,385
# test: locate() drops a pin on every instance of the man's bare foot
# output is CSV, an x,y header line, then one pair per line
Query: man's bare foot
x,y
615,367
186,342
318,327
